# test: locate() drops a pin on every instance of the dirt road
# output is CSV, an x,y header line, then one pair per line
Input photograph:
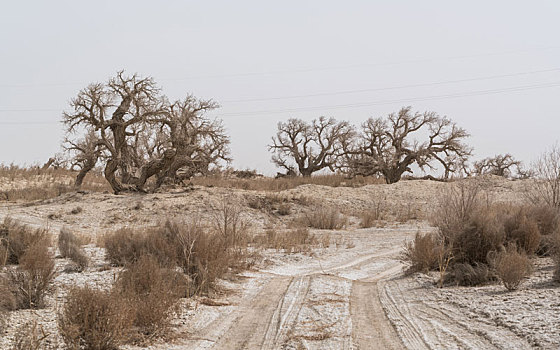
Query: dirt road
x,y
355,302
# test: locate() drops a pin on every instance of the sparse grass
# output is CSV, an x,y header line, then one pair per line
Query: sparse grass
x,y
94,319
30,336
370,217
69,247
512,267
34,183
286,183
324,217
290,241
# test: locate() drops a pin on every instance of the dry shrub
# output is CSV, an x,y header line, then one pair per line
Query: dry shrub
x,y
69,247
152,291
470,275
523,231
126,246
324,217
422,254
482,234
33,276
30,336
229,223
7,299
203,254
547,218
512,267
17,238
94,319
468,223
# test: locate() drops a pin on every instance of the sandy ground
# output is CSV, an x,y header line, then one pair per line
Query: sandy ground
x,y
350,295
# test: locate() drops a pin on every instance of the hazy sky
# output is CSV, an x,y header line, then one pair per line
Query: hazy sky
x,y
491,66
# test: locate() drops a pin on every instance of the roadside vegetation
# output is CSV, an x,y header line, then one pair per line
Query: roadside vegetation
x,y
483,241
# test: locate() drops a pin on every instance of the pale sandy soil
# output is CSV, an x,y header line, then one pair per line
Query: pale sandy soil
x,y
351,295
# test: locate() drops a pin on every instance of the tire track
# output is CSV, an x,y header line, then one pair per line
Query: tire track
x,y
429,324
264,321
370,327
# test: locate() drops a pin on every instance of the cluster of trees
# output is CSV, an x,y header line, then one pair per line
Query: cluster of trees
x,y
136,132
382,146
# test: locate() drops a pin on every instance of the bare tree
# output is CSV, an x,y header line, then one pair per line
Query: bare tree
x,y
504,165
546,170
312,147
141,134
389,147
111,110
197,142
85,153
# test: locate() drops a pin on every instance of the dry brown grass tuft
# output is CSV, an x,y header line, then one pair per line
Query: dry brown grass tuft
x,y
16,239
69,247
290,241
422,254
325,218
512,267
152,291
94,319
204,254
33,276
35,183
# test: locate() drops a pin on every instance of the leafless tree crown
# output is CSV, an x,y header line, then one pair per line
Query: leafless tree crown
x,y
504,165
310,147
389,146
130,125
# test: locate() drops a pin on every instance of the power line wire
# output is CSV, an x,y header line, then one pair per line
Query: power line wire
x,y
407,100
445,82
312,69
366,104
345,92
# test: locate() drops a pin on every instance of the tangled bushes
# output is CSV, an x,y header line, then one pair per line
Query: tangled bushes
x,y
476,232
